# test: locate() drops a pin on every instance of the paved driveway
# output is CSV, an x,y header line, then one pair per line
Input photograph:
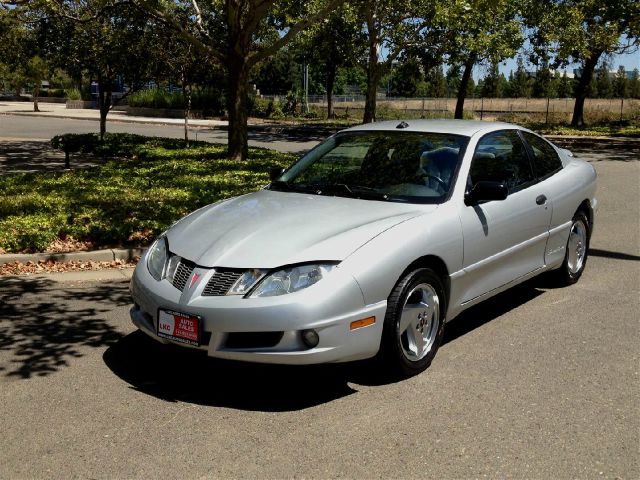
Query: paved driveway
x,y
537,383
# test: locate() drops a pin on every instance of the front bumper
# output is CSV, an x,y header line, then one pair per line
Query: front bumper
x,y
328,307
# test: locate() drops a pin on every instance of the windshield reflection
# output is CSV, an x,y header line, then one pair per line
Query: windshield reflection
x,y
383,165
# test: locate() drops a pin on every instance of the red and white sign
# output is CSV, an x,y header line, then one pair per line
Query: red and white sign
x,y
179,327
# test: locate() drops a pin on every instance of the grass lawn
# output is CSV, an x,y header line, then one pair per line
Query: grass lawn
x,y
147,184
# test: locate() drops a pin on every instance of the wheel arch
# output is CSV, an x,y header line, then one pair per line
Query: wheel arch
x,y
437,265
586,208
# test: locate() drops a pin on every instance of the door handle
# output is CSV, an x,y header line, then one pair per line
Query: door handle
x,y
541,199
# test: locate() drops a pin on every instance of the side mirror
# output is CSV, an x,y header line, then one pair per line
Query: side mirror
x,y
486,191
275,173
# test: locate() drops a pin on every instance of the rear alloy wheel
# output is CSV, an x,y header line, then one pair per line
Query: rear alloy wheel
x,y
575,258
414,323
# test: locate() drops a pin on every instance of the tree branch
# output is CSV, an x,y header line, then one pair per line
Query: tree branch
x,y
272,49
168,20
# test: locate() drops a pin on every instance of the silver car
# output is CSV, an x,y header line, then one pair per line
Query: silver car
x,y
368,245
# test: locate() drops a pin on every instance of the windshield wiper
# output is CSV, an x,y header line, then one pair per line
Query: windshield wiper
x,y
354,191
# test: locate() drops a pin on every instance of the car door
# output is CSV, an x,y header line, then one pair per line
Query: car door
x,y
547,167
503,239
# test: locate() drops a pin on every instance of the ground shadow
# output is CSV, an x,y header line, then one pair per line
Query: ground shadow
x,y
176,374
622,150
594,252
43,326
38,156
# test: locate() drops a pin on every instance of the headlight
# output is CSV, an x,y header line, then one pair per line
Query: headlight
x,y
292,279
247,280
157,258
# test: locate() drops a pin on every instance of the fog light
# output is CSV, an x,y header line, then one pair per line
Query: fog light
x,y
310,338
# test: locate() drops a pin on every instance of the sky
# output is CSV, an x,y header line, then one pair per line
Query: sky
x,y
629,61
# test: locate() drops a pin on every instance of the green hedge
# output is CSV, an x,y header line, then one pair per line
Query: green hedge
x,y
147,185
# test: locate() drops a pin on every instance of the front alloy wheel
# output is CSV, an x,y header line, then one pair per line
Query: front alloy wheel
x,y
414,323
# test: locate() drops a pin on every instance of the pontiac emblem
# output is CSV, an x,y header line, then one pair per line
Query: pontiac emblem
x,y
194,279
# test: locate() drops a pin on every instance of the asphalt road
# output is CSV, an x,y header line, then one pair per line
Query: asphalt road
x,y
43,128
536,383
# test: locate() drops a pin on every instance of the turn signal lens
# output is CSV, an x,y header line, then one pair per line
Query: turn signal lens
x,y
365,322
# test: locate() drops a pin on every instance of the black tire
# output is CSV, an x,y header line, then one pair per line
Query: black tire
x,y
576,251
397,346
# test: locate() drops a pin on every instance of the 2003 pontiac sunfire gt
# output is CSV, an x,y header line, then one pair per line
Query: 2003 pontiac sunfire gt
x,y
368,245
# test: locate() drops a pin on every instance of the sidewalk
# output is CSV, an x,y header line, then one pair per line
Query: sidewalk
x,y
59,110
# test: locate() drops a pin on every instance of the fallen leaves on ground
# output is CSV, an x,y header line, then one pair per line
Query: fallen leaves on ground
x,y
49,266
68,244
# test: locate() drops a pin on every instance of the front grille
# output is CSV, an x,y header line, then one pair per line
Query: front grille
x,y
220,283
183,272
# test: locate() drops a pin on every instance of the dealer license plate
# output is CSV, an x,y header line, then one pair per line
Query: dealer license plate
x,y
179,327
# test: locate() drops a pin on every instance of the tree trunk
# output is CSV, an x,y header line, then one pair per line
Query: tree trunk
x,y
238,148
582,89
186,89
331,80
462,89
104,103
373,69
36,94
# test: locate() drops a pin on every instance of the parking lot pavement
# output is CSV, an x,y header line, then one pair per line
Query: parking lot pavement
x,y
537,383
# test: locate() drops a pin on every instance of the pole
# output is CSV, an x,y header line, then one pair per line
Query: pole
x,y
546,120
621,107
306,88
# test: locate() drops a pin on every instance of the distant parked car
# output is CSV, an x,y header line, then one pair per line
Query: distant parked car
x,y
368,245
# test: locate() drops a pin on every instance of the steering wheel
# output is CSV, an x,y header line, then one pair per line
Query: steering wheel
x,y
425,176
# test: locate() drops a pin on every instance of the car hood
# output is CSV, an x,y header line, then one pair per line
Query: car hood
x,y
267,229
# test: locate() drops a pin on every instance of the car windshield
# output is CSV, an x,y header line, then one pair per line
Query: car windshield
x,y
414,167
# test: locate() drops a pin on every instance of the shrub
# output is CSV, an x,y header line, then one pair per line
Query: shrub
x,y
148,184
74,94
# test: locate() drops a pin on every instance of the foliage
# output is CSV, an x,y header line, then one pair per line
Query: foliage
x,y
610,129
74,94
572,31
146,186
239,35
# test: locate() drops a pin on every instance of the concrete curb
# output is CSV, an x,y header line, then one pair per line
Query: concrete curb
x,y
109,255
150,121
88,276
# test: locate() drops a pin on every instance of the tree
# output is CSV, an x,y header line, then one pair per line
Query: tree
x,y
544,84
279,74
21,55
37,70
634,84
406,78
391,25
238,34
582,31
493,85
604,89
477,31
621,84
336,43
565,86
520,83
437,83
107,39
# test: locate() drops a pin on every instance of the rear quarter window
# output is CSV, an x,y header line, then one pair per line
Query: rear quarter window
x,y
546,161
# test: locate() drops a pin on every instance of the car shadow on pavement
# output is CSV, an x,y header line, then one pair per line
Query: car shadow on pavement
x,y
176,374
179,375
43,327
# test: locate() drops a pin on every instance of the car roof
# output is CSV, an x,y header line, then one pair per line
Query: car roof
x,y
458,127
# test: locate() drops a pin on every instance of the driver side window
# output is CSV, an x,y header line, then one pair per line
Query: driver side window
x,y
501,157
